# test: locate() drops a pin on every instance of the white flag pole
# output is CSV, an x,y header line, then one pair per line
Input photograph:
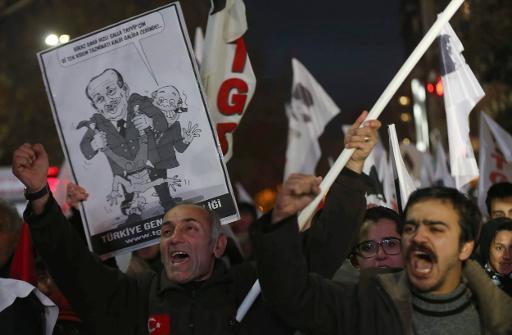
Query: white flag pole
x,y
307,213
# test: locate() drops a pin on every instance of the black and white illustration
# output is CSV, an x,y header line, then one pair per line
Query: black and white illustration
x,y
134,126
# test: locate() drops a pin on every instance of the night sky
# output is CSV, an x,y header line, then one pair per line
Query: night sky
x,y
352,48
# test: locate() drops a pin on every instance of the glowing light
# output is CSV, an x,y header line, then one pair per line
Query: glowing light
x,y
405,117
51,40
63,39
404,100
430,88
406,141
439,88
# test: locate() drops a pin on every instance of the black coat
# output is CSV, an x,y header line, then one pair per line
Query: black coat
x,y
110,302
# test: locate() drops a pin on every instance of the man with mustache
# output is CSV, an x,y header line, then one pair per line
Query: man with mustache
x,y
194,293
120,120
440,291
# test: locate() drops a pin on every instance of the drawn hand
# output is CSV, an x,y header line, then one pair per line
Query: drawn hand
x,y
99,141
190,132
174,181
112,198
142,122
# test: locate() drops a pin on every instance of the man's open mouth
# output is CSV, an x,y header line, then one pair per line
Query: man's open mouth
x,y
178,257
421,261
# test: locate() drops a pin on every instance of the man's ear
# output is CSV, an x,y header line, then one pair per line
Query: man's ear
x,y
220,245
466,250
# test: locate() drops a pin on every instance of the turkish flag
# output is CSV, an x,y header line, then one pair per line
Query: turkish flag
x,y
23,262
159,324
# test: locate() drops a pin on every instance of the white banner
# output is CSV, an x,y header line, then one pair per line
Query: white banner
x,y
406,184
309,112
461,93
134,126
495,161
226,70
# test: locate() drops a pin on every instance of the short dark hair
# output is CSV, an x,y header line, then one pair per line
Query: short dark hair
x,y
381,212
488,234
10,220
372,216
470,218
120,81
497,191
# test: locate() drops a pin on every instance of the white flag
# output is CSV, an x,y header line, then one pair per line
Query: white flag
x,y
226,71
495,157
309,112
427,170
243,195
442,176
302,151
199,45
461,93
406,184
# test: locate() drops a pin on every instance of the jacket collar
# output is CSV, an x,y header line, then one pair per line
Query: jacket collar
x,y
494,305
396,285
220,274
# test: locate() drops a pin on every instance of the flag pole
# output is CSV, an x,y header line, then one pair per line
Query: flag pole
x,y
307,213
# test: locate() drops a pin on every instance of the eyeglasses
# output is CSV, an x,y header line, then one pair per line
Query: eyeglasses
x,y
368,249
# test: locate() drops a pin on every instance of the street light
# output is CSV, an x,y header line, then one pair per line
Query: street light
x,y
54,40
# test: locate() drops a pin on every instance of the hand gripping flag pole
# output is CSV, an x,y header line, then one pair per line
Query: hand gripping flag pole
x,y
307,213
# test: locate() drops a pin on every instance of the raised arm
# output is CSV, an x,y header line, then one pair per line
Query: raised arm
x,y
93,289
335,227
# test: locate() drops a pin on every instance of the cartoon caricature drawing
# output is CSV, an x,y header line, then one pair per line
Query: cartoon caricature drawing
x,y
139,137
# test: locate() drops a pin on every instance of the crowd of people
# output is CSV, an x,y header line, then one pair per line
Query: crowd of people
x,y
436,268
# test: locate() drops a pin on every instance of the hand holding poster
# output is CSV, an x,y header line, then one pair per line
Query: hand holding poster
x,y
134,126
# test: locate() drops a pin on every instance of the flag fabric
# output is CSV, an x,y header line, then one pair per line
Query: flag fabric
x,y
199,45
388,182
442,176
243,195
495,158
461,93
427,170
23,264
405,182
373,167
228,78
302,151
310,110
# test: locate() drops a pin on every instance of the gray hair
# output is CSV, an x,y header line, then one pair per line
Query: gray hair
x,y
213,219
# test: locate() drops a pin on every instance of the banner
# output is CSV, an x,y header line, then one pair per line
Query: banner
x,y
310,110
226,70
405,182
461,93
495,159
134,127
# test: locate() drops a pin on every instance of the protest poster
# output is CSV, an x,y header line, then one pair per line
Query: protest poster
x,y
133,122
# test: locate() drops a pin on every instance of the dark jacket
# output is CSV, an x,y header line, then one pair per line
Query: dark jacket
x,y
112,303
380,303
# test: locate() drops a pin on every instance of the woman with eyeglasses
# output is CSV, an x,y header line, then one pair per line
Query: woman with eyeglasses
x,y
378,245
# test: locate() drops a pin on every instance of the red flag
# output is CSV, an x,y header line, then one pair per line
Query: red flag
x,y
23,265
159,324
